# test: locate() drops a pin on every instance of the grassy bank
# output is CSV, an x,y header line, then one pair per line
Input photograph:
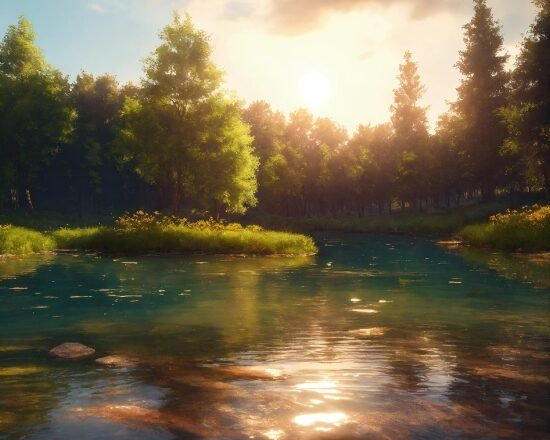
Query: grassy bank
x,y
181,239
153,233
15,240
525,230
419,223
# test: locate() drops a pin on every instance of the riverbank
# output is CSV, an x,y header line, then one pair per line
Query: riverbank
x,y
526,230
487,225
442,223
144,233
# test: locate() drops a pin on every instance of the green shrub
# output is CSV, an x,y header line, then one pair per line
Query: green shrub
x,y
527,229
15,240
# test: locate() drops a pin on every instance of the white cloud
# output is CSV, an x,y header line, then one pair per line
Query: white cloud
x,y
358,50
96,7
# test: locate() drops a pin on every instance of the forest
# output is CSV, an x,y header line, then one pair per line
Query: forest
x,y
177,142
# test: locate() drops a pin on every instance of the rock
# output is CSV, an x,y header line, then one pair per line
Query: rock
x,y
72,350
117,361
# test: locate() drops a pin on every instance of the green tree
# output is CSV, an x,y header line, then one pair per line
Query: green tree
x,y
481,95
183,133
376,165
267,127
410,126
528,117
35,115
97,102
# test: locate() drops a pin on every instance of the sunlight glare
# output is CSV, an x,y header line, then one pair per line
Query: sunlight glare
x,y
334,419
315,89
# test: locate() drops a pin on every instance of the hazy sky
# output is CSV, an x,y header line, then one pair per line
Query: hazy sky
x,y
266,47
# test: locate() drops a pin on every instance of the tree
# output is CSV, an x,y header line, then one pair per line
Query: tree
x,y
376,161
267,127
97,102
35,113
528,117
481,95
410,126
183,133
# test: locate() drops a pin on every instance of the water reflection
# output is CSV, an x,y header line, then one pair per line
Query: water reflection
x,y
395,339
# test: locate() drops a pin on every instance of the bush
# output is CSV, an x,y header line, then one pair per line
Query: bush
x,y
527,229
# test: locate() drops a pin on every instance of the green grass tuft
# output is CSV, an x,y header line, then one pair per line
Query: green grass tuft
x,y
16,240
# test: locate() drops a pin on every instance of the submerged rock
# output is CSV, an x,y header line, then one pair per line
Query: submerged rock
x,y
117,361
72,350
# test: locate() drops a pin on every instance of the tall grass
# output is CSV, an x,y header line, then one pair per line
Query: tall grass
x,y
422,223
184,239
526,230
16,240
143,233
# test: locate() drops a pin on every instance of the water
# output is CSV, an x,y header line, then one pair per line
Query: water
x,y
378,337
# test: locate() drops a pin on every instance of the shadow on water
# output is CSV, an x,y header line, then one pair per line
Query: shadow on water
x,y
377,337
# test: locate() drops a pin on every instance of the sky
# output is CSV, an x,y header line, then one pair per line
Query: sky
x,y
344,52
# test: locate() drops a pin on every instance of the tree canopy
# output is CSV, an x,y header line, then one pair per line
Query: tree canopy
x,y
178,141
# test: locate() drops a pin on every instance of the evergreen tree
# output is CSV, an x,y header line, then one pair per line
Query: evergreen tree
x,y
410,126
481,95
529,116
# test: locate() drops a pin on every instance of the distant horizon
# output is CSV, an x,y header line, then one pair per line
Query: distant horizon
x,y
266,55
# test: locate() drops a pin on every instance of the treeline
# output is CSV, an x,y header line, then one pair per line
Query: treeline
x,y
178,142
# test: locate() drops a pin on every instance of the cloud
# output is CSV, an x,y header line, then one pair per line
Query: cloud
x,y
237,9
300,16
96,7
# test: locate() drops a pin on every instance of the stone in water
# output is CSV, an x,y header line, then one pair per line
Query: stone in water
x,y
72,350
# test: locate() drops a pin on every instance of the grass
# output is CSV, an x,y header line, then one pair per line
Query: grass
x,y
184,239
421,223
524,230
154,233
15,240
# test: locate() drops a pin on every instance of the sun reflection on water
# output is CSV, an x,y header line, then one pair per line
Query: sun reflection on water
x,y
334,419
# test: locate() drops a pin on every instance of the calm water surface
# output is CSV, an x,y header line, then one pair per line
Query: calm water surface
x,y
378,337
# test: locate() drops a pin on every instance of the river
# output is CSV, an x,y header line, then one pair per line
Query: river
x,y
377,337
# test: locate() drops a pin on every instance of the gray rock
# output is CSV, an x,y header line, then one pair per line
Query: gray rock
x,y
72,350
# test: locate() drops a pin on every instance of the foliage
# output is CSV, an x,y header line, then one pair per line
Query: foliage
x,y
141,220
177,141
527,229
481,94
142,232
36,116
183,133
20,241
528,116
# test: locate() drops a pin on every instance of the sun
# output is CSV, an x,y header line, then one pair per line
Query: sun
x,y
315,89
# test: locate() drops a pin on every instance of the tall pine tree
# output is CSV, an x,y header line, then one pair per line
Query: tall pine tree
x,y
410,126
481,95
529,116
